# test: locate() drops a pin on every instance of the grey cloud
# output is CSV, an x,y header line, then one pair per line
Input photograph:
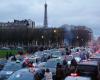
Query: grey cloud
x,y
76,12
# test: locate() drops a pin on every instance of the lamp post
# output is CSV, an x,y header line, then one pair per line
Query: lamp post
x,y
56,37
77,40
42,39
82,42
54,31
42,36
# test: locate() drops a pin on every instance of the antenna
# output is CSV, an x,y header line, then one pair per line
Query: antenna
x,y
45,1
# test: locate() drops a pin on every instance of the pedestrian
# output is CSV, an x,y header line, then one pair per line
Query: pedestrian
x,y
30,64
65,68
59,73
73,65
37,77
73,62
68,51
83,55
48,75
98,76
13,58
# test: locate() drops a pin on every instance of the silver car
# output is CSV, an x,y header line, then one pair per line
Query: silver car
x,y
9,69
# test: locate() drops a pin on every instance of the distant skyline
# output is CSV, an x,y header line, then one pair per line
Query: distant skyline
x,y
72,12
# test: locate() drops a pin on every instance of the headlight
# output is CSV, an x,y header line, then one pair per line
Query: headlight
x,y
18,75
9,72
69,62
77,59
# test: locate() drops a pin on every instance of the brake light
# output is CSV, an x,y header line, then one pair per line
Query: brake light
x,y
74,74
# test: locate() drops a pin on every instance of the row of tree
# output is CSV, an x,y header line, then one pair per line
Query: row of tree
x,y
39,36
76,36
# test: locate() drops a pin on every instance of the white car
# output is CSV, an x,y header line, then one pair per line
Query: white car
x,y
77,78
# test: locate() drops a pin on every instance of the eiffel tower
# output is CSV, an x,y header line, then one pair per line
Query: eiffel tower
x,y
45,16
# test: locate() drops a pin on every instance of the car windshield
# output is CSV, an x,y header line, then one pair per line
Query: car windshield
x,y
22,76
57,53
12,66
52,64
38,54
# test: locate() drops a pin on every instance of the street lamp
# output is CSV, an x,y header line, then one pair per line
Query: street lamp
x,y
42,39
55,31
77,40
42,36
56,36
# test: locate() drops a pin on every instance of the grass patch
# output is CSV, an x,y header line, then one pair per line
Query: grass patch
x,y
4,52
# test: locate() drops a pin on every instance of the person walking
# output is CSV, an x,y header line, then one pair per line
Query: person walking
x,y
73,65
65,68
48,75
59,73
98,75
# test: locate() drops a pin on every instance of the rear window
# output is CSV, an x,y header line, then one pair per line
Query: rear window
x,y
86,68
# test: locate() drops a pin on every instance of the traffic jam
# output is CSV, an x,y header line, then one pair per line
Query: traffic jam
x,y
52,64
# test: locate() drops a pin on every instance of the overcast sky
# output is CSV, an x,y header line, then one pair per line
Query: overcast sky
x,y
72,12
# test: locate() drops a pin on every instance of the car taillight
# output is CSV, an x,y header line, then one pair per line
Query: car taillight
x,y
74,74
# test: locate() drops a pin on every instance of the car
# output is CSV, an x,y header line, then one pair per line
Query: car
x,y
9,69
26,74
48,53
34,59
42,55
98,51
88,68
42,65
5,48
51,64
56,54
95,57
19,48
77,78
2,63
68,58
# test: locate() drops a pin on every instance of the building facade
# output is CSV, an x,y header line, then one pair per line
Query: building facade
x,y
18,24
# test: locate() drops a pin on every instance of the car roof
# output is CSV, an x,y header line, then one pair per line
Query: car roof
x,y
91,63
54,59
22,74
13,62
77,78
97,56
27,70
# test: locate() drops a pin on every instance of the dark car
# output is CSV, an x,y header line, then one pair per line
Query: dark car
x,y
9,69
88,68
95,57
